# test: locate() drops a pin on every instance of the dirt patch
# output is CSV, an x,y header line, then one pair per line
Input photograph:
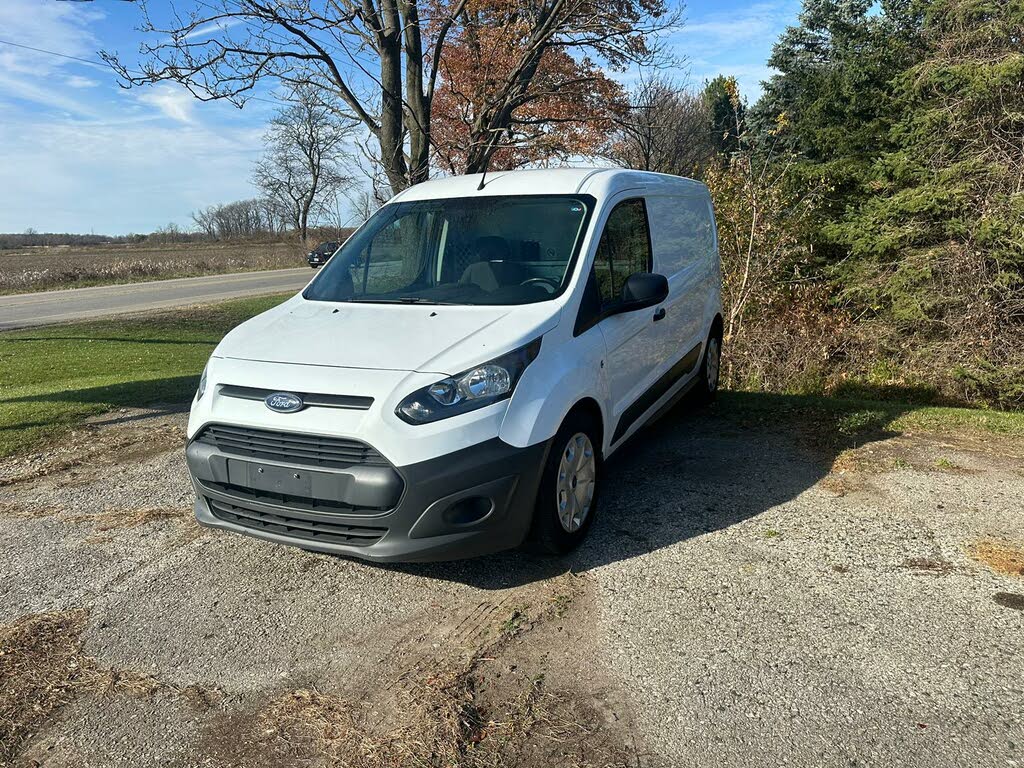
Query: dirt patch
x,y
1009,600
124,436
113,519
110,519
1001,556
487,689
929,565
42,668
961,454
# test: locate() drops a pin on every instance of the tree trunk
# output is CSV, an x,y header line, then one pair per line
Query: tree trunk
x,y
392,149
418,102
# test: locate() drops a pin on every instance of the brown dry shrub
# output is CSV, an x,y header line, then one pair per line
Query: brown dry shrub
x,y
798,345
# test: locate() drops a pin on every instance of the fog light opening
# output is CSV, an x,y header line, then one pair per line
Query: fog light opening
x,y
469,510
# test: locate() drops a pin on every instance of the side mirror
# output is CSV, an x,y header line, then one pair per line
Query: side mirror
x,y
642,290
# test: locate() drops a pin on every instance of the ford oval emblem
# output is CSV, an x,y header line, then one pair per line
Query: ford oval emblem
x,y
283,402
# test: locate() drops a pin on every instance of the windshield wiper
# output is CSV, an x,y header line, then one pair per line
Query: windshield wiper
x,y
420,300
399,300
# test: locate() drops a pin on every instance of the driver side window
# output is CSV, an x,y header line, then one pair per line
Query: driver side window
x,y
624,249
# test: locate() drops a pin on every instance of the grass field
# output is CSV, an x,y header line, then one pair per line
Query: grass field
x,y
54,267
52,379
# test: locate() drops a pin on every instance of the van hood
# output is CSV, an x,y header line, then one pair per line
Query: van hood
x,y
425,338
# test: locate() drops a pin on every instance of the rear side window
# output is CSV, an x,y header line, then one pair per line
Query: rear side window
x,y
624,248
684,234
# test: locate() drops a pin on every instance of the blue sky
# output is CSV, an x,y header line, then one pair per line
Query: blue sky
x,y
78,153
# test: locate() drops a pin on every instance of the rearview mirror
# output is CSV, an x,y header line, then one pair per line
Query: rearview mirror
x,y
642,290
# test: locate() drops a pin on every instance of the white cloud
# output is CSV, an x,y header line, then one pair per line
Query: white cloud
x,y
33,76
61,27
759,22
40,91
116,176
736,43
78,153
173,101
213,26
77,81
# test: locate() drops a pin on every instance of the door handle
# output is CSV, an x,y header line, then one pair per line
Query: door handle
x,y
660,314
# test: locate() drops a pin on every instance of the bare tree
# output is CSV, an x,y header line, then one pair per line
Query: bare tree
x,y
242,218
363,205
666,129
379,58
301,170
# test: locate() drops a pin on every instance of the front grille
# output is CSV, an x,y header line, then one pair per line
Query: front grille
x,y
309,400
303,503
296,527
289,447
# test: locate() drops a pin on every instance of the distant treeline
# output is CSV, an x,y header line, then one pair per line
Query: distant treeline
x,y
253,220
31,238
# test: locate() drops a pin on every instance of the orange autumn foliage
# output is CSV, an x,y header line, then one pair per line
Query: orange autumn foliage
x,y
564,108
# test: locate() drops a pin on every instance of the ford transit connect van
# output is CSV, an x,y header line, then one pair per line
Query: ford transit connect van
x,y
451,381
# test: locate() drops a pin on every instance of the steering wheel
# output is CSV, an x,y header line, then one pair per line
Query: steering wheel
x,y
549,283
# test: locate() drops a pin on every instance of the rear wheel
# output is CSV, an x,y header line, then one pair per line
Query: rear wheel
x,y
567,496
710,369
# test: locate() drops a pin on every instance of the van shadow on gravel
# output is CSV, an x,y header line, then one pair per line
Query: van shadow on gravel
x,y
695,471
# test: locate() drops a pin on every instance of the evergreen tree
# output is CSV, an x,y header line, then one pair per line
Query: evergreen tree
x,y
937,248
726,112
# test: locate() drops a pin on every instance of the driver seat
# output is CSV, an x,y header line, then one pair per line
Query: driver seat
x,y
493,266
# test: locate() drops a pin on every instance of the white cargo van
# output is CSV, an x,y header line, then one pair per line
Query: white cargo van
x,y
451,381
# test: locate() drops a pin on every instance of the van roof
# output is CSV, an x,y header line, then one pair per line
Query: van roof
x,y
599,182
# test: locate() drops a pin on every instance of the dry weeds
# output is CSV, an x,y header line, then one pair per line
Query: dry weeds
x,y
48,268
42,668
94,445
109,519
1001,556
443,720
115,519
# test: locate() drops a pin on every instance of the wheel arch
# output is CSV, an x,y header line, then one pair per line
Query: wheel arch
x,y
590,408
717,326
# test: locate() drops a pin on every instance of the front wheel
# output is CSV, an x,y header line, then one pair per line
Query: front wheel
x,y
567,497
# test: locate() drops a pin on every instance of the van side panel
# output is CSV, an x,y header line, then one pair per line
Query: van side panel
x,y
684,232
685,251
553,384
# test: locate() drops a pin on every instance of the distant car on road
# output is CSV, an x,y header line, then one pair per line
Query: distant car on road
x,y
321,254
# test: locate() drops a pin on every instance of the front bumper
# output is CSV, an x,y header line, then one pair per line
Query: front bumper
x,y
471,502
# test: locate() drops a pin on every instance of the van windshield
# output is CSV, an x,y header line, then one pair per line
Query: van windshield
x,y
488,250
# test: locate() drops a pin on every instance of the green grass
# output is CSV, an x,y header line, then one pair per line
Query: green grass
x,y
849,418
53,378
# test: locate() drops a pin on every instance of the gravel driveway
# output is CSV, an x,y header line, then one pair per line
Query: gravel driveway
x,y
747,597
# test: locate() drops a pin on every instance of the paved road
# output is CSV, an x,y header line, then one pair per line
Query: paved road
x,y
48,307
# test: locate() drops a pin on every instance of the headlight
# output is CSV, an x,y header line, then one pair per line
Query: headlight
x,y
202,382
487,383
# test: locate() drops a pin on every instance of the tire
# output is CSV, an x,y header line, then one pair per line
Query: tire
x,y
561,518
710,370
